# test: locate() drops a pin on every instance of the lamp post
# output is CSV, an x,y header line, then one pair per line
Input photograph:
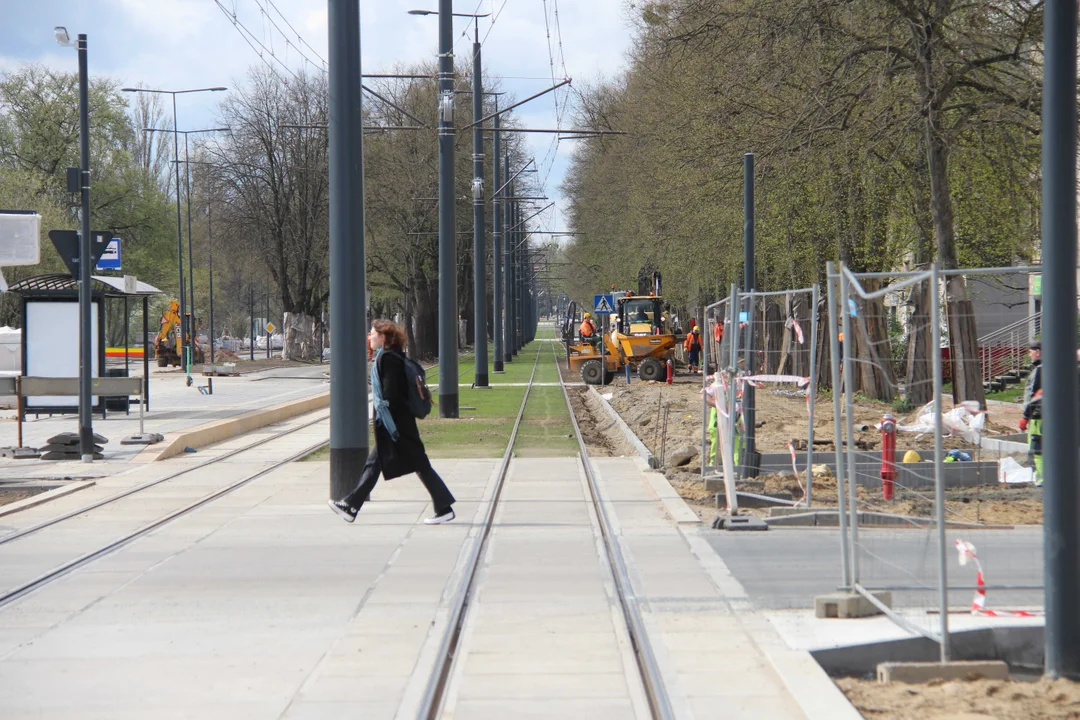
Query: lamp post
x,y
86,423
184,314
191,258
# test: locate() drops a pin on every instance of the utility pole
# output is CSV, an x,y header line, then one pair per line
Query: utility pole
x,y
497,258
750,464
479,285
86,358
448,314
210,248
508,238
1061,499
348,324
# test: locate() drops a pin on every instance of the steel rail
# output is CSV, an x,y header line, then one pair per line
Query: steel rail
x,y
149,484
40,581
435,692
651,677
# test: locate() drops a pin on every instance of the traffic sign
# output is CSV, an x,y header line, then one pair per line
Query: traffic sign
x,y
603,304
67,245
110,259
270,328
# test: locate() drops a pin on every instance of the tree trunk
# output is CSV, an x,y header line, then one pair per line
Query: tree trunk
x,y
299,341
963,334
875,375
773,337
918,372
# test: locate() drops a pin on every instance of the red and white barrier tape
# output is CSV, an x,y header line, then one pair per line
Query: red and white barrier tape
x,y
795,467
755,380
978,603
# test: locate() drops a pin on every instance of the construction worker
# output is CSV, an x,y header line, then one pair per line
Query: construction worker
x,y
588,330
692,346
1031,422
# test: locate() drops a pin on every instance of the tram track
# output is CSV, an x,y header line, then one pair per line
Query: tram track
x,y
21,589
449,653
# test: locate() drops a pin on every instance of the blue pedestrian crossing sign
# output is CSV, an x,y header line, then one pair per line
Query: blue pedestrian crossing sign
x,y
604,304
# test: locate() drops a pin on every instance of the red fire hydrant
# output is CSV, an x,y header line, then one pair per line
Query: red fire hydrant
x,y
670,371
888,455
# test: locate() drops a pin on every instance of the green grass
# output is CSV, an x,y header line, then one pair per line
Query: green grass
x,y
546,430
1013,393
480,432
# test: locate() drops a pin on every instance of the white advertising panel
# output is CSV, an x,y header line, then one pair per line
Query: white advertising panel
x,y
52,346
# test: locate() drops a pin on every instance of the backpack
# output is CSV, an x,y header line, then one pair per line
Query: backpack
x,y
420,401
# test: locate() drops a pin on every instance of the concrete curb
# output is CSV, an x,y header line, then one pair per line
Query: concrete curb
x,y
674,503
220,430
44,497
643,451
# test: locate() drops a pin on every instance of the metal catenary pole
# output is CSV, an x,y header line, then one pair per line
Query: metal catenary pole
x,y
86,422
750,285
480,349
210,249
251,323
348,371
508,279
191,260
834,353
1061,531
184,330
497,248
939,455
269,335
448,312
811,390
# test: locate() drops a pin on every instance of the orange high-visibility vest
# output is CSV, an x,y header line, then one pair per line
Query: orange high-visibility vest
x,y
587,328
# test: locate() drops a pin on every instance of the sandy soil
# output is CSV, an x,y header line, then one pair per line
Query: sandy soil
x,y
965,700
9,496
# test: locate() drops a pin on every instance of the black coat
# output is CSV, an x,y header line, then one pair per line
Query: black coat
x,y
407,455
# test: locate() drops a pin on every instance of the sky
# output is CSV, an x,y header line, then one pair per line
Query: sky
x,y
179,44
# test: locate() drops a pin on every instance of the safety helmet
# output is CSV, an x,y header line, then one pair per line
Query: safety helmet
x,y
587,316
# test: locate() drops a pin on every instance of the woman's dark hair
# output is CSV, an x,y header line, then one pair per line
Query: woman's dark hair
x,y
394,335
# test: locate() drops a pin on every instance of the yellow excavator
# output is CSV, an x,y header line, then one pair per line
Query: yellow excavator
x,y
169,348
642,339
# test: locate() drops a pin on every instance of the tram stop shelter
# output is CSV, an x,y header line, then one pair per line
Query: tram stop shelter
x,y
50,333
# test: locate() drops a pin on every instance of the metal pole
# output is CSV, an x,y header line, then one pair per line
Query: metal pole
x,y
269,354
210,249
1061,501
448,313
704,385
146,351
750,285
497,250
86,368
834,354
508,280
849,412
939,455
479,252
811,389
251,323
348,375
191,259
179,238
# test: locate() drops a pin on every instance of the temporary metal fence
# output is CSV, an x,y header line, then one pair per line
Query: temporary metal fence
x,y
901,534
752,339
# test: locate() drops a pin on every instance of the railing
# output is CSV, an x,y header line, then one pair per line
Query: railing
x,y
1004,351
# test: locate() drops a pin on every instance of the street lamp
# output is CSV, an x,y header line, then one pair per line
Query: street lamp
x,y
191,256
86,426
185,317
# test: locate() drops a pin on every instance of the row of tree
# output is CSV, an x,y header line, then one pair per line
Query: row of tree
x,y
259,193
888,134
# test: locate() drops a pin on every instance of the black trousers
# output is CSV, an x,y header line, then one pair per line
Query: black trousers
x,y
441,497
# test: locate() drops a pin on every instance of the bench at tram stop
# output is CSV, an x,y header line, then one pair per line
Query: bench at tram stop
x,y
65,445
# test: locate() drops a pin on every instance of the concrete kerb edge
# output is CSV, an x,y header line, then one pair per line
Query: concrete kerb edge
x,y
673,502
220,430
810,686
633,439
45,497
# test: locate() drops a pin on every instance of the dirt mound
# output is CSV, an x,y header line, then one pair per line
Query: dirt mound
x,y
998,699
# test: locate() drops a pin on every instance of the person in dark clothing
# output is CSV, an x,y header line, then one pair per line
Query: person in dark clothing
x,y
398,449
1034,381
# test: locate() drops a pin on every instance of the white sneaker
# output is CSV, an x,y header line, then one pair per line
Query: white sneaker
x,y
440,519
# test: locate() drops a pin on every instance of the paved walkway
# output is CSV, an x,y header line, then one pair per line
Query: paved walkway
x,y
265,605
174,407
